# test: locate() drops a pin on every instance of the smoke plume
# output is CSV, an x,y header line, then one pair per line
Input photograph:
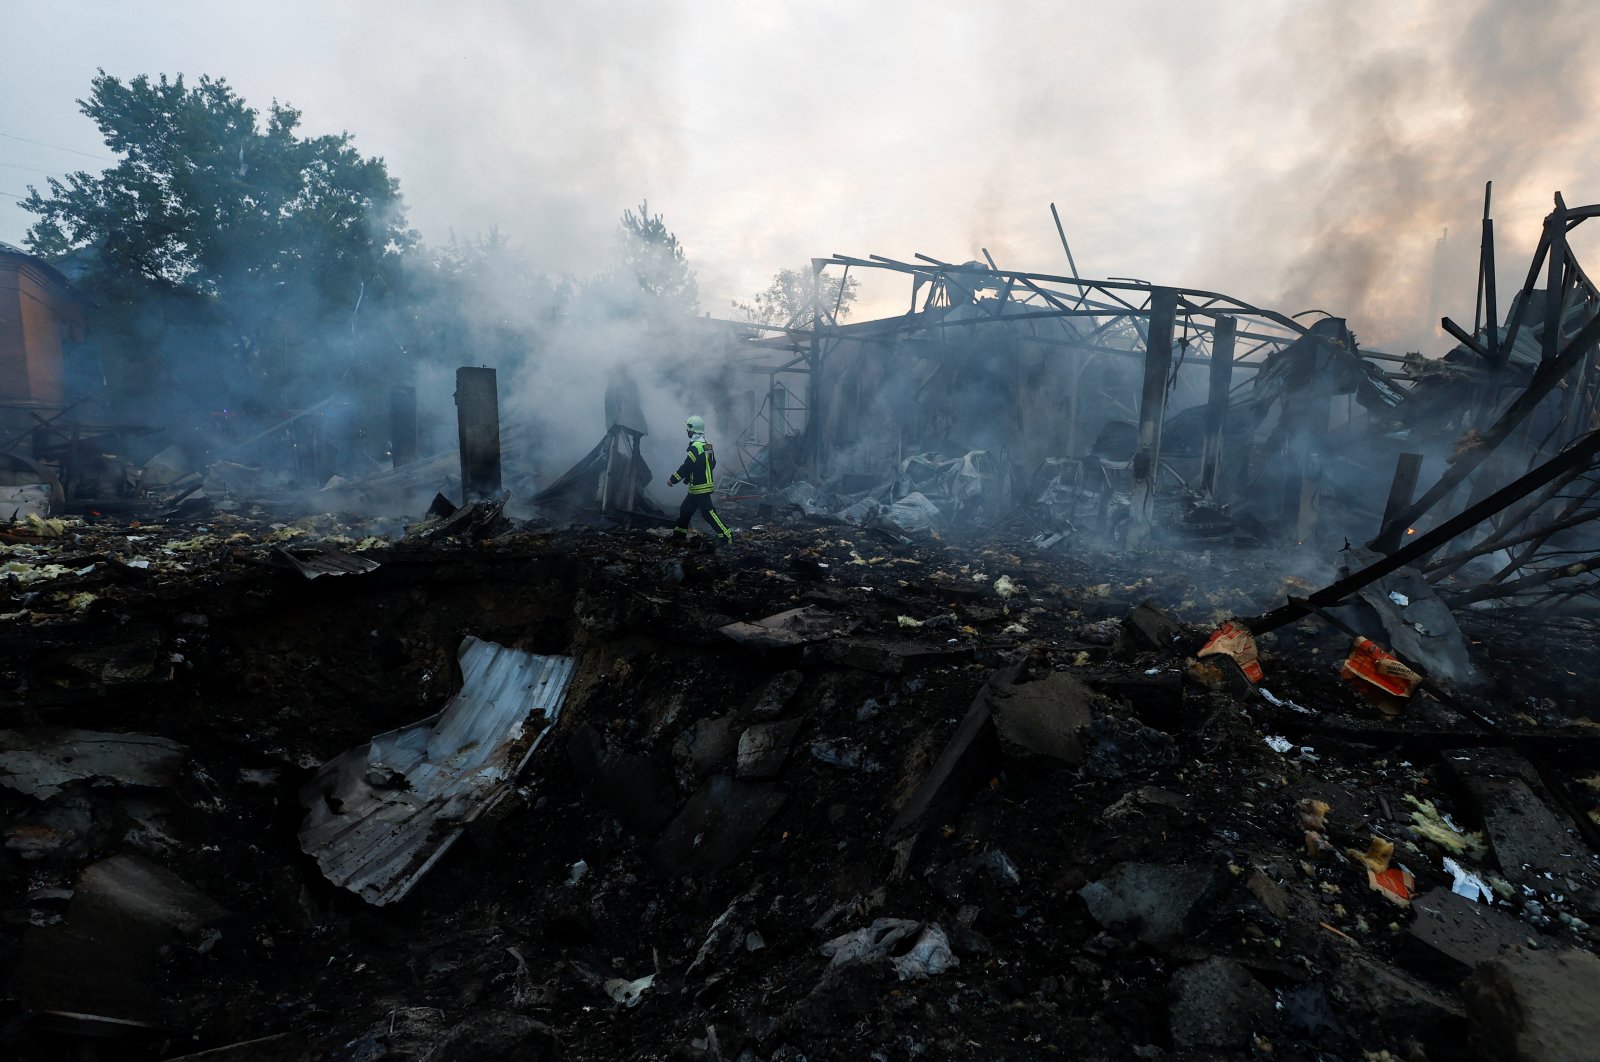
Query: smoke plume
x,y
1401,140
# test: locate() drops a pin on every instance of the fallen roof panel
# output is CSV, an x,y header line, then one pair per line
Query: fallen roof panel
x,y
332,562
381,815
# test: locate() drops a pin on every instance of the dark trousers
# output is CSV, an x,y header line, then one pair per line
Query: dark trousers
x,y
700,503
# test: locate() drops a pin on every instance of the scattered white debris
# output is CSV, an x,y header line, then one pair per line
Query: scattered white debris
x,y
579,869
1466,883
1153,671
628,993
928,957
1398,598
1282,702
1005,587
1279,744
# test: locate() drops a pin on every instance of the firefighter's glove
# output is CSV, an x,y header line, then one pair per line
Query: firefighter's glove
x,y
672,480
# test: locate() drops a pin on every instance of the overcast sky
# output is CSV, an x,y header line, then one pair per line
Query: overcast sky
x,y
1294,153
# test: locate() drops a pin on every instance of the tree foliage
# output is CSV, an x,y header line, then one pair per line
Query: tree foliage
x,y
790,300
654,259
231,213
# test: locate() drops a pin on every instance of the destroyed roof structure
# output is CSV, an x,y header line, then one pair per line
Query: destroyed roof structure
x,y
1036,368
1134,409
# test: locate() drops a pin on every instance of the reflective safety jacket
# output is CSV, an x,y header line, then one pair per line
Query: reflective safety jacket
x,y
698,465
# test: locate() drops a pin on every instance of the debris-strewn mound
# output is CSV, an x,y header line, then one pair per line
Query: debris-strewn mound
x,y
826,794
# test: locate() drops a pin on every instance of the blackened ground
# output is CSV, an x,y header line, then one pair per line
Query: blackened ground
x,y
501,953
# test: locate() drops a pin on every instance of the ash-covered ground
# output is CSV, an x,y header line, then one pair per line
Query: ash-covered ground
x,y
977,803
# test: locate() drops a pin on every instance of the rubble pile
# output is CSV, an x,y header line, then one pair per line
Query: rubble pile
x,y
833,792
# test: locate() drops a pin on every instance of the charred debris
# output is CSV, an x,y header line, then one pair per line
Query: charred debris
x,y
1100,670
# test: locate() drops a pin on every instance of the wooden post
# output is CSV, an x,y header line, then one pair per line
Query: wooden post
x,y
814,377
1491,305
1308,410
1555,285
1487,393
1401,489
1222,341
478,428
1306,510
1152,412
1544,381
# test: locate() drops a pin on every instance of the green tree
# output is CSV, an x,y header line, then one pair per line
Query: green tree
x,y
790,299
648,282
654,259
285,244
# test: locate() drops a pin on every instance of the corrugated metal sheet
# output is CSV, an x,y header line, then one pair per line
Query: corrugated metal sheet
x,y
332,562
380,816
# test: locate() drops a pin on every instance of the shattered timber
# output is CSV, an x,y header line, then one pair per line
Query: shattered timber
x,y
1100,670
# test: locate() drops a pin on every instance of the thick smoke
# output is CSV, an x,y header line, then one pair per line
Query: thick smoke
x,y
1402,140
557,343
1295,156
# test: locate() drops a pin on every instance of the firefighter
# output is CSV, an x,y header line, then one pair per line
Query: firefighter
x,y
696,470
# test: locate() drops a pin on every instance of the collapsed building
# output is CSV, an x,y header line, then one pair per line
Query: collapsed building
x,y
1080,403
1102,669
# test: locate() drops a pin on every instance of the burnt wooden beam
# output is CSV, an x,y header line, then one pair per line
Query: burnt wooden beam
x,y
1491,305
1538,540
1152,412
1544,381
1581,453
478,431
1446,565
1401,489
1465,338
813,435
1555,285
1221,382
1486,591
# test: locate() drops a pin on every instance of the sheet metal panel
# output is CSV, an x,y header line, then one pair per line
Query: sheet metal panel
x,y
381,815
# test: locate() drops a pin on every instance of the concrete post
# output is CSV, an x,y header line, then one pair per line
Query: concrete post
x,y
478,426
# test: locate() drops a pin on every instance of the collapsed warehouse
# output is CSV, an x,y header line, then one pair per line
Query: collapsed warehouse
x,y
1101,669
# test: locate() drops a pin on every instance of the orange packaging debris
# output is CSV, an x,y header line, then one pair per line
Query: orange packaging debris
x,y
1376,672
1395,884
1233,639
